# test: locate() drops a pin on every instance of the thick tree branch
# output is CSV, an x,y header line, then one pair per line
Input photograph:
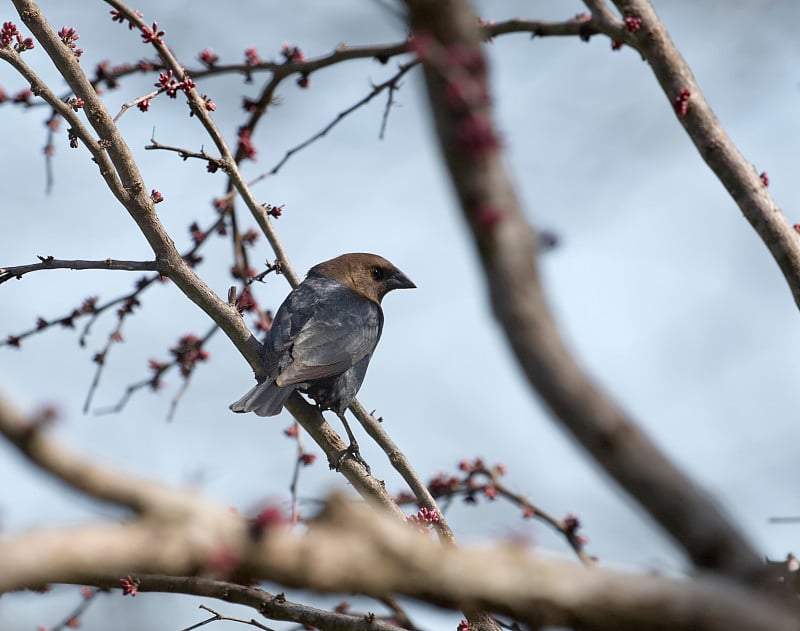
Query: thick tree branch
x,y
737,175
350,547
141,209
141,496
355,550
450,41
274,607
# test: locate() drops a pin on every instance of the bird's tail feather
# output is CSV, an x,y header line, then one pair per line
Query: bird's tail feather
x,y
265,399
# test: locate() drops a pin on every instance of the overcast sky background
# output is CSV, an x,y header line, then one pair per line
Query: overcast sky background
x,y
662,289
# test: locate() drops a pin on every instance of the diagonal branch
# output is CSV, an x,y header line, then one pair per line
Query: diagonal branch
x,y
200,111
507,248
737,175
308,416
274,607
390,84
402,465
28,435
76,126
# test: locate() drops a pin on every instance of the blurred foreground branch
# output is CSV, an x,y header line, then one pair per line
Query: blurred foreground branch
x,y
349,547
448,39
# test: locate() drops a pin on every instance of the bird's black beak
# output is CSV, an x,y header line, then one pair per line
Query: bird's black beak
x,y
398,280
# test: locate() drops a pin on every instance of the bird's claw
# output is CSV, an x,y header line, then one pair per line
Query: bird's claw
x,y
353,452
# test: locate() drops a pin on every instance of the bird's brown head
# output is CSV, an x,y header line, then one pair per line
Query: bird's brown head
x,y
370,275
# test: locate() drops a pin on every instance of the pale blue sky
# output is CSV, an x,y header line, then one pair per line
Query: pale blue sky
x,y
662,288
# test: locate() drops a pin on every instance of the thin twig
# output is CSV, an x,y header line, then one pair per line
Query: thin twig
x,y
216,616
100,358
49,262
126,106
71,621
742,181
185,154
298,463
390,84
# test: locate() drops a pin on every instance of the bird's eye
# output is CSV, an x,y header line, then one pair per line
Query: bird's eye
x,y
376,273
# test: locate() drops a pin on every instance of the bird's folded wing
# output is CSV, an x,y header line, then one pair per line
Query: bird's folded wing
x,y
331,342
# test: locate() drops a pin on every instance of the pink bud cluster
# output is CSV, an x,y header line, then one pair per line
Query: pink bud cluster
x,y
424,519
69,36
9,33
168,83
633,23
681,102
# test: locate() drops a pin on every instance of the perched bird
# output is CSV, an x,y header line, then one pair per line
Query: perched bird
x,y
323,336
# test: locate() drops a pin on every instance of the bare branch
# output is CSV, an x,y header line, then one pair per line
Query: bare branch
x,y
218,617
737,175
322,433
126,106
402,465
605,18
100,358
154,381
274,607
507,248
390,85
352,548
349,548
73,616
199,110
185,154
49,262
140,495
579,26
480,479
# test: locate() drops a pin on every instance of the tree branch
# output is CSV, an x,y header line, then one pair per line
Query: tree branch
x,y
198,108
48,262
274,607
507,249
737,175
402,465
350,547
76,127
140,207
185,154
390,84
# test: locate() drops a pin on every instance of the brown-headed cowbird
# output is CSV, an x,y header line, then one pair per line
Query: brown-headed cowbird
x,y
323,336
